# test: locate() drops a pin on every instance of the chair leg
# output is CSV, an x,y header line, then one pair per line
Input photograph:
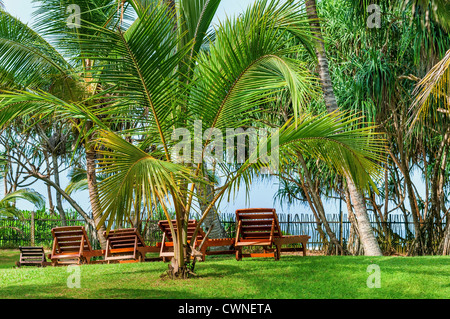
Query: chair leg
x,y
238,254
277,253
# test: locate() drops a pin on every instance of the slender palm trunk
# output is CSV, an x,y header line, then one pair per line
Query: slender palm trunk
x,y
324,71
371,247
445,244
93,193
368,239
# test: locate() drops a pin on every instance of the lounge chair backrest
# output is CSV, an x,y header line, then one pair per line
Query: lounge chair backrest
x,y
32,256
192,225
124,238
70,239
258,223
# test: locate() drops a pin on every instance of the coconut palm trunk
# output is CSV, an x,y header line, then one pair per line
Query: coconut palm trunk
x,y
368,240
93,194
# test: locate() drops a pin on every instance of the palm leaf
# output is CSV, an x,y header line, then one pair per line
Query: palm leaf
x,y
29,195
432,90
248,62
26,57
40,104
195,17
141,65
134,177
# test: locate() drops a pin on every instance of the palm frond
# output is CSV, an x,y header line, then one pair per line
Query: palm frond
x,y
195,17
248,62
27,59
134,179
336,139
141,65
61,21
29,195
432,91
40,104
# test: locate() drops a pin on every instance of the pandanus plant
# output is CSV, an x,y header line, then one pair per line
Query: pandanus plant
x,y
168,71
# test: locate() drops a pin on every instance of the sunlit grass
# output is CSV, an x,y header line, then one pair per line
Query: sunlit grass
x,y
292,277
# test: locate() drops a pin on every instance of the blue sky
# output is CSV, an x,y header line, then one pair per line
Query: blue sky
x,y
24,8
261,193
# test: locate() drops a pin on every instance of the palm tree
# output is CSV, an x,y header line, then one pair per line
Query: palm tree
x,y
432,96
368,239
30,62
425,28
154,77
230,70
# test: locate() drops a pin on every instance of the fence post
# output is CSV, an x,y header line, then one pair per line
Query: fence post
x,y
288,217
32,228
341,217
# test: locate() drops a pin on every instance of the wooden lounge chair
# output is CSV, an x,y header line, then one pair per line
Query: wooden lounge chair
x,y
32,256
167,241
126,245
71,246
260,227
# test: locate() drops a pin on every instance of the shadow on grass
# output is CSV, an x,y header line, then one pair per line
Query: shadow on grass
x,y
31,292
58,292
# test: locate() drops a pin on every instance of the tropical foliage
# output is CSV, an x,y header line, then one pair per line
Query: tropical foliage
x,y
136,99
123,89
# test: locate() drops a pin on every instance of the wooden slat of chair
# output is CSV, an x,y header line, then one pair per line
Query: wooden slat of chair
x,y
260,227
71,242
31,256
257,227
287,240
168,238
128,243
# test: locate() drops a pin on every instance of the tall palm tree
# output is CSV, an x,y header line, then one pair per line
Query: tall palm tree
x,y
368,239
432,92
155,77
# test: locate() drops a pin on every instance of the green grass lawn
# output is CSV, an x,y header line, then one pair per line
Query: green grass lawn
x,y
292,277
8,258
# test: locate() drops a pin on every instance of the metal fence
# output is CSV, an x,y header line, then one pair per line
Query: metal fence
x,y
15,233
305,224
